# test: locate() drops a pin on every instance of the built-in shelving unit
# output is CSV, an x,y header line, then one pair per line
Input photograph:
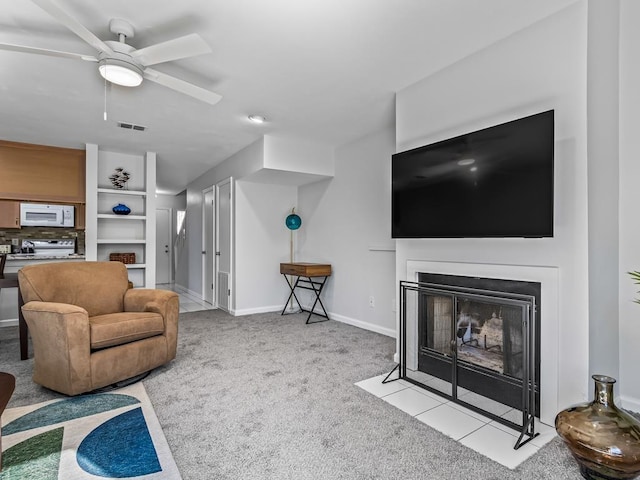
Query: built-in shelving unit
x,y
111,241
122,217
107,232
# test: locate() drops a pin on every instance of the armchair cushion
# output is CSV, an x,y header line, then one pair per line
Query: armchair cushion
x,y
117,328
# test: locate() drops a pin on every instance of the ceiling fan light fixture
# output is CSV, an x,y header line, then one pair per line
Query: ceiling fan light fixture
x,y
120,72
466,161
257,118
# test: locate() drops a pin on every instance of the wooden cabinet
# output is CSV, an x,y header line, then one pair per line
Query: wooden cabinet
x,y
80,214
9,214
41,173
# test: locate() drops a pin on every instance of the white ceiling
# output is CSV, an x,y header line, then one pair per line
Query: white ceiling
x,y
321,70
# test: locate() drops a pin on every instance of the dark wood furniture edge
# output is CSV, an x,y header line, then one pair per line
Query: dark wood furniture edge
x,y
10,280
22,327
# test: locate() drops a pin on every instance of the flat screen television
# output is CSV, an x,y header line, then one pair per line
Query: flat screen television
x,y
495,182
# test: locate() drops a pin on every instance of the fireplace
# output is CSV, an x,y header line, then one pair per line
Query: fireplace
x,y
477,342
547,318
483,332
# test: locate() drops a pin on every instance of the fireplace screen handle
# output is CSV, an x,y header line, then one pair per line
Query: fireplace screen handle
x,y
454,345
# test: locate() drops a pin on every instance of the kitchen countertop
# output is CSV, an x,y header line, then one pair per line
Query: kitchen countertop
x,y
30,256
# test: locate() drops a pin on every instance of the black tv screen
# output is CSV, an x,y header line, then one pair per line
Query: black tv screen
x,y
495,182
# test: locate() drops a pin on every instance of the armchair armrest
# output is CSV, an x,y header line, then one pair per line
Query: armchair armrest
x,y
53,307
164,302
62,344
148,300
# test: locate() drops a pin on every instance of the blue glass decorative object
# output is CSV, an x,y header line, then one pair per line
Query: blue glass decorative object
x,y
293,222
121,209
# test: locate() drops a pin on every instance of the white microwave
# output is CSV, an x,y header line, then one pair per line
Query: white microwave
x,y
43,215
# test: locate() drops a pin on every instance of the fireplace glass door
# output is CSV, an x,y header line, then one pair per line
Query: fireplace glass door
x,y
482,333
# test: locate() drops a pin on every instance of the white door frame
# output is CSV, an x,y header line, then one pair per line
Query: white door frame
x,y
229,180
170,246
209,245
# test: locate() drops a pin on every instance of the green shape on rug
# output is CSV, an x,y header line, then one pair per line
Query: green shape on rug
x,y
69,409
37,458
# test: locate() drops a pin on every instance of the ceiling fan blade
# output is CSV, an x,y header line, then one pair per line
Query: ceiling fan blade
x,y
45,51
72,24
182,86
182,47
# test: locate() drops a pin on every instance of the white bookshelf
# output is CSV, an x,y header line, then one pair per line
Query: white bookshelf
x,y
107,232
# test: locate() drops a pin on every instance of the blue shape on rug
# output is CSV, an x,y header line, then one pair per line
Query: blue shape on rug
x,y
69,409
119,448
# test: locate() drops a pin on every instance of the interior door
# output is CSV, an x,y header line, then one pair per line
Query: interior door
x,y
163,245
224,244
208,248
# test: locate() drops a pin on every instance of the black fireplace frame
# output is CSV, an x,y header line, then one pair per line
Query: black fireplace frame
x,y
527,385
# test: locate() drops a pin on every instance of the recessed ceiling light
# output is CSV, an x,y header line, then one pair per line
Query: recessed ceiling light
x,y
257,118
473,169
466,161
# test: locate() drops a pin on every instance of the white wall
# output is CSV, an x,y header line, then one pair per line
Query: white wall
x,y
246,161
346,222
261,238
297,156
629,225
603,178
540,67
263,243
176,202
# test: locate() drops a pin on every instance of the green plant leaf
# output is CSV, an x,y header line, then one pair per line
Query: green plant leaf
x,y
635,275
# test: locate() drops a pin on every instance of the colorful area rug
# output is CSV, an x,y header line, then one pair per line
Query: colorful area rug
x,y
104,435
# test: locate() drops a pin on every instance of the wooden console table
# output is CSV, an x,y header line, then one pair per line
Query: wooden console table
x,y
309,276
10,280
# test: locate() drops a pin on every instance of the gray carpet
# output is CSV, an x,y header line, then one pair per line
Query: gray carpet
x,y
268,397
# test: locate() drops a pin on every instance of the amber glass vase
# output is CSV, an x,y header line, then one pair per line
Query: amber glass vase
x,y
604,439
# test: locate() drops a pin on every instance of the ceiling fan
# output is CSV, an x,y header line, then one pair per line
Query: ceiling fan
x,y
121,63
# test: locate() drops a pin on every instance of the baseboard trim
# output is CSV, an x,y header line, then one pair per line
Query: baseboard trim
x,y
252,311
630,403
389,332
9,322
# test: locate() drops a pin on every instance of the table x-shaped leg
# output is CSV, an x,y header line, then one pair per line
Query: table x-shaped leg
x,y
307,283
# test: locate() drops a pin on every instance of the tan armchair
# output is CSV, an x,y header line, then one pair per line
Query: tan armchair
x,y
89,329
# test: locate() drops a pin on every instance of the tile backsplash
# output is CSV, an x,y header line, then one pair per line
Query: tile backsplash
x,y
26,233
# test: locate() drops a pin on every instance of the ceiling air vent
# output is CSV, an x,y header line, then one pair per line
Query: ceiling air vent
x,y
131,126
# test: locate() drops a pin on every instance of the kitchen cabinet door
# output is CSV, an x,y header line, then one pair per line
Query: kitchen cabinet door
x,y
41,173
9,214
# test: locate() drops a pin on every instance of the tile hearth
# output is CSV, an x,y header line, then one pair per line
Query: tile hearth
x,y
485,436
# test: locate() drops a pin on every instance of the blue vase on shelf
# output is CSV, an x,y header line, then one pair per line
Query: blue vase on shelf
x,y
121,209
